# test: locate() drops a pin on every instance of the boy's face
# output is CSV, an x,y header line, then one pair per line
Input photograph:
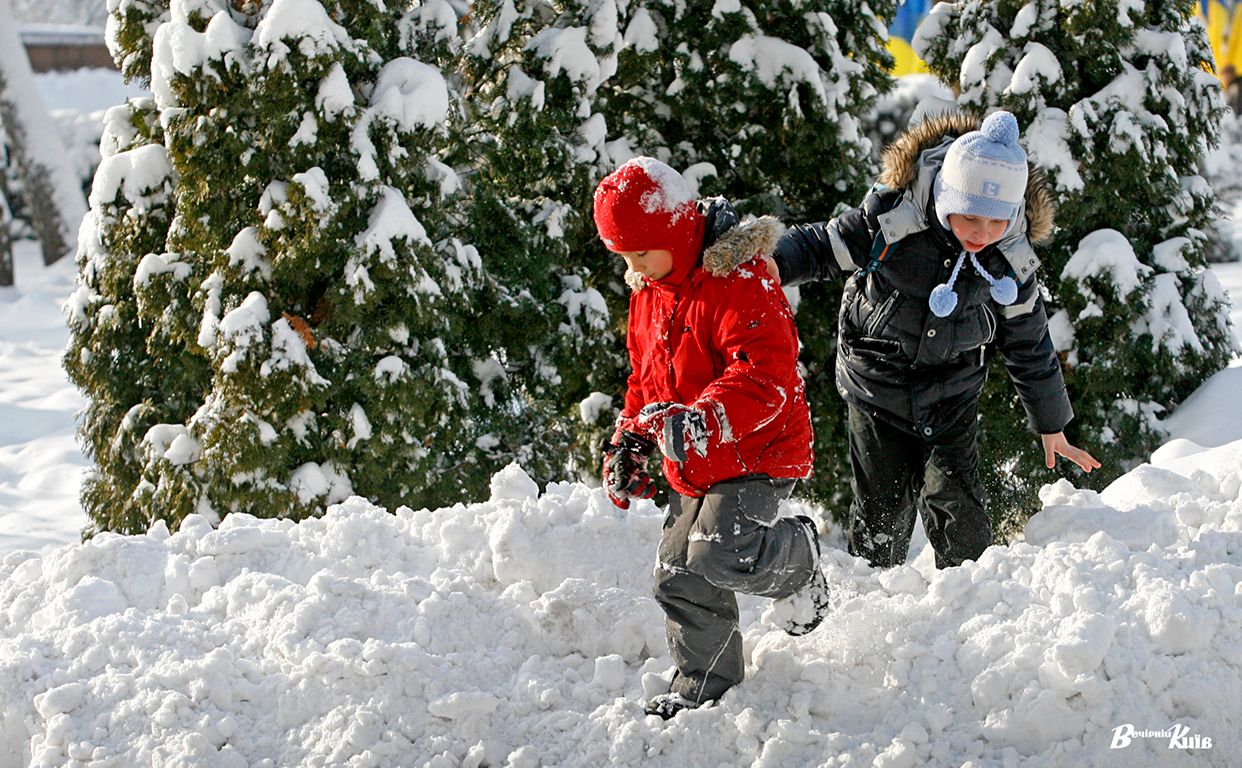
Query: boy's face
x,y
653,265
976,232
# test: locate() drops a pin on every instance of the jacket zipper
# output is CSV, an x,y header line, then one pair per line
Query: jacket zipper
x,y
880,316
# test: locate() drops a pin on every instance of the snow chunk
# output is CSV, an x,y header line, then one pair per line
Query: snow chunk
x,y
322,482
303,23
411,94
248,253
514,484
242,327
596,403
391,220
172,443
140,176
776,63
566,51
160,264
314,184
642,34
1037,68
335,97
1047,143
1168,320
1107,252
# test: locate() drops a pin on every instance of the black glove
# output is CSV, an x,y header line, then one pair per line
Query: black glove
x,y
625,469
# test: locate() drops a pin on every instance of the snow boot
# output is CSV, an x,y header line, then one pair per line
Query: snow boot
x,y
803,611
667,705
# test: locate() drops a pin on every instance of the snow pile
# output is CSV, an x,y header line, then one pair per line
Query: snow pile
x,y
520,631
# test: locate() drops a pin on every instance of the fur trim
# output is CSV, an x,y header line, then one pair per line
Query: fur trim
x,y
741,244
901,167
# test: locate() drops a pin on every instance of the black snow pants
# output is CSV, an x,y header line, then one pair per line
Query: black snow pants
x,y
728,541
895,470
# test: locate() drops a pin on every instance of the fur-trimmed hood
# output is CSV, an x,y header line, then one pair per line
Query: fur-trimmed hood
x,y
727,241
904,162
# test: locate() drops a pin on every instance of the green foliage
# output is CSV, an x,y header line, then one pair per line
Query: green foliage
x,y
322,306
531,136
294,332
1119,134
131,373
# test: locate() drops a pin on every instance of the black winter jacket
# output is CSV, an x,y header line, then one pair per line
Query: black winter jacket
x,y
893,355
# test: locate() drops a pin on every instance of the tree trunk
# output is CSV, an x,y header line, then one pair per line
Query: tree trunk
x,y
53,192
6,239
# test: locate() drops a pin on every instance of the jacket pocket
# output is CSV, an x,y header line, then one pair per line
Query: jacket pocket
x,y
881,314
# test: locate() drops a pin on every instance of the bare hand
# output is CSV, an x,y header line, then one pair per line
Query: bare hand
x,y
1056,445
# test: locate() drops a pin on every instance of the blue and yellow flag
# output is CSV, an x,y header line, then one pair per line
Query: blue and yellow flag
x,y
901,33
1224,28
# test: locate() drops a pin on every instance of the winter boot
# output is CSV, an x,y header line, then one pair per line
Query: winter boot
x,y
803,611
667,705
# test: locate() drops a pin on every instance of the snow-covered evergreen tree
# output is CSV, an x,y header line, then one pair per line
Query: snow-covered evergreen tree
x,y
762,101
534,141
1137,318
6,218
131,382
310,270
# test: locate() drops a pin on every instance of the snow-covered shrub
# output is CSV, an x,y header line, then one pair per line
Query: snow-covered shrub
x,y
1137,318
534,139
132,379
311,280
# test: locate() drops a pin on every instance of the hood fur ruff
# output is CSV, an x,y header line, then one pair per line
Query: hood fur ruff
x,y
900,167
734,248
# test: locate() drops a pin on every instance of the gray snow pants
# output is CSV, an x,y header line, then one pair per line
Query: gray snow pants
x,y
725,542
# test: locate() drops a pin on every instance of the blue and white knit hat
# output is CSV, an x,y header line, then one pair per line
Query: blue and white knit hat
x,y
984,172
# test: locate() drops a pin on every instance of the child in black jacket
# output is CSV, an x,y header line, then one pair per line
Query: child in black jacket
x,y
940,266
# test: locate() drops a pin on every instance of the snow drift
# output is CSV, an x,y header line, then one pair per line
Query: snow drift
x,y
520,631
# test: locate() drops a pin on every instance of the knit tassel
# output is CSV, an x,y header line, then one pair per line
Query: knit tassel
x,y
1004,291
943,299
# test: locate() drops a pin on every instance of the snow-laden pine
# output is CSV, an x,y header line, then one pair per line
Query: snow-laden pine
x,y
531,133
300,318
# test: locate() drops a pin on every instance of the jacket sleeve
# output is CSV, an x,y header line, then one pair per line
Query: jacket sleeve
x,y
758,342
1025,344
826,251
634,397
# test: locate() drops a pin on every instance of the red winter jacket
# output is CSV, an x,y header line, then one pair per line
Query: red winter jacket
x,y
729,345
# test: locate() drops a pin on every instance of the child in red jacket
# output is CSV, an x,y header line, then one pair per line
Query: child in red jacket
x,y
714,385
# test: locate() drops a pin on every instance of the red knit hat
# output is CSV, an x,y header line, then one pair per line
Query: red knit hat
x,y
646,205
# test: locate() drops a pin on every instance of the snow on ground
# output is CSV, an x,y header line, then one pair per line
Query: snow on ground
x,y
40,462
519,631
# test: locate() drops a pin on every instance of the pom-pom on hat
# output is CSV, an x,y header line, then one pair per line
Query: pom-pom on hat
x,y
984,172
646,205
